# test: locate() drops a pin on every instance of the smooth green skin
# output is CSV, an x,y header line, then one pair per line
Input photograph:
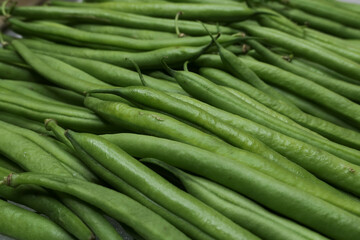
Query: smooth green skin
x,y
321,9
351,91
126,32
161,75
164,126
241,210
9,71
39,110
289,147
50,72
311,34
9,165
39,200
202,12
238,138
68,34
51,92
306,89
145,60
147,223
313,21
20,224
303,48
238,68
331,131
122,186
54,149
352,55
318,68
117,18
282,198
22,89
117,76
209,92
23,122
261,101
13,146
314,109
158,189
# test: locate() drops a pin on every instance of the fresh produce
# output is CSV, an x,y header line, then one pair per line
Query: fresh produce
x,y
180,119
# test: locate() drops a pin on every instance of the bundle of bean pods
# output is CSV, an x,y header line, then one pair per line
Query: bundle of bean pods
x,y
180,119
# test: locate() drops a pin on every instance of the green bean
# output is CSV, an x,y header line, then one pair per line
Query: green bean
x,y
266,190
164,126
41,201
313,21
325,10
157,188
315,110
23,122
303,48
51,92
21,224
306,89
7,164
350,91
242,71
52,148
320,69
209,92
119,184
203,12
40,110
144,221
126,32
116,75
165,103
17,73
238,208
146,60
162,75
116,18
332,131
13,146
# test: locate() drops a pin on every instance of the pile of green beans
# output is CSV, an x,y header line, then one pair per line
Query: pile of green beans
x,y
180,119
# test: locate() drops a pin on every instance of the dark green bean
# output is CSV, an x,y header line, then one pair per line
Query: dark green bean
x,y
165,103
147,60
7,164
203,12
41,201
147,223
241,210
157,188
313,21
19,223
315,110
36,159
119,184
162,75
348,90
9,71
289,201
126,32
59,32
303,48
116,18
325,10
331,131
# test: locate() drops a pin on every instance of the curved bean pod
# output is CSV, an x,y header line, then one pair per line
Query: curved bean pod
x,y
9,71
129,20
14,218
157,188
241,210
259,187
